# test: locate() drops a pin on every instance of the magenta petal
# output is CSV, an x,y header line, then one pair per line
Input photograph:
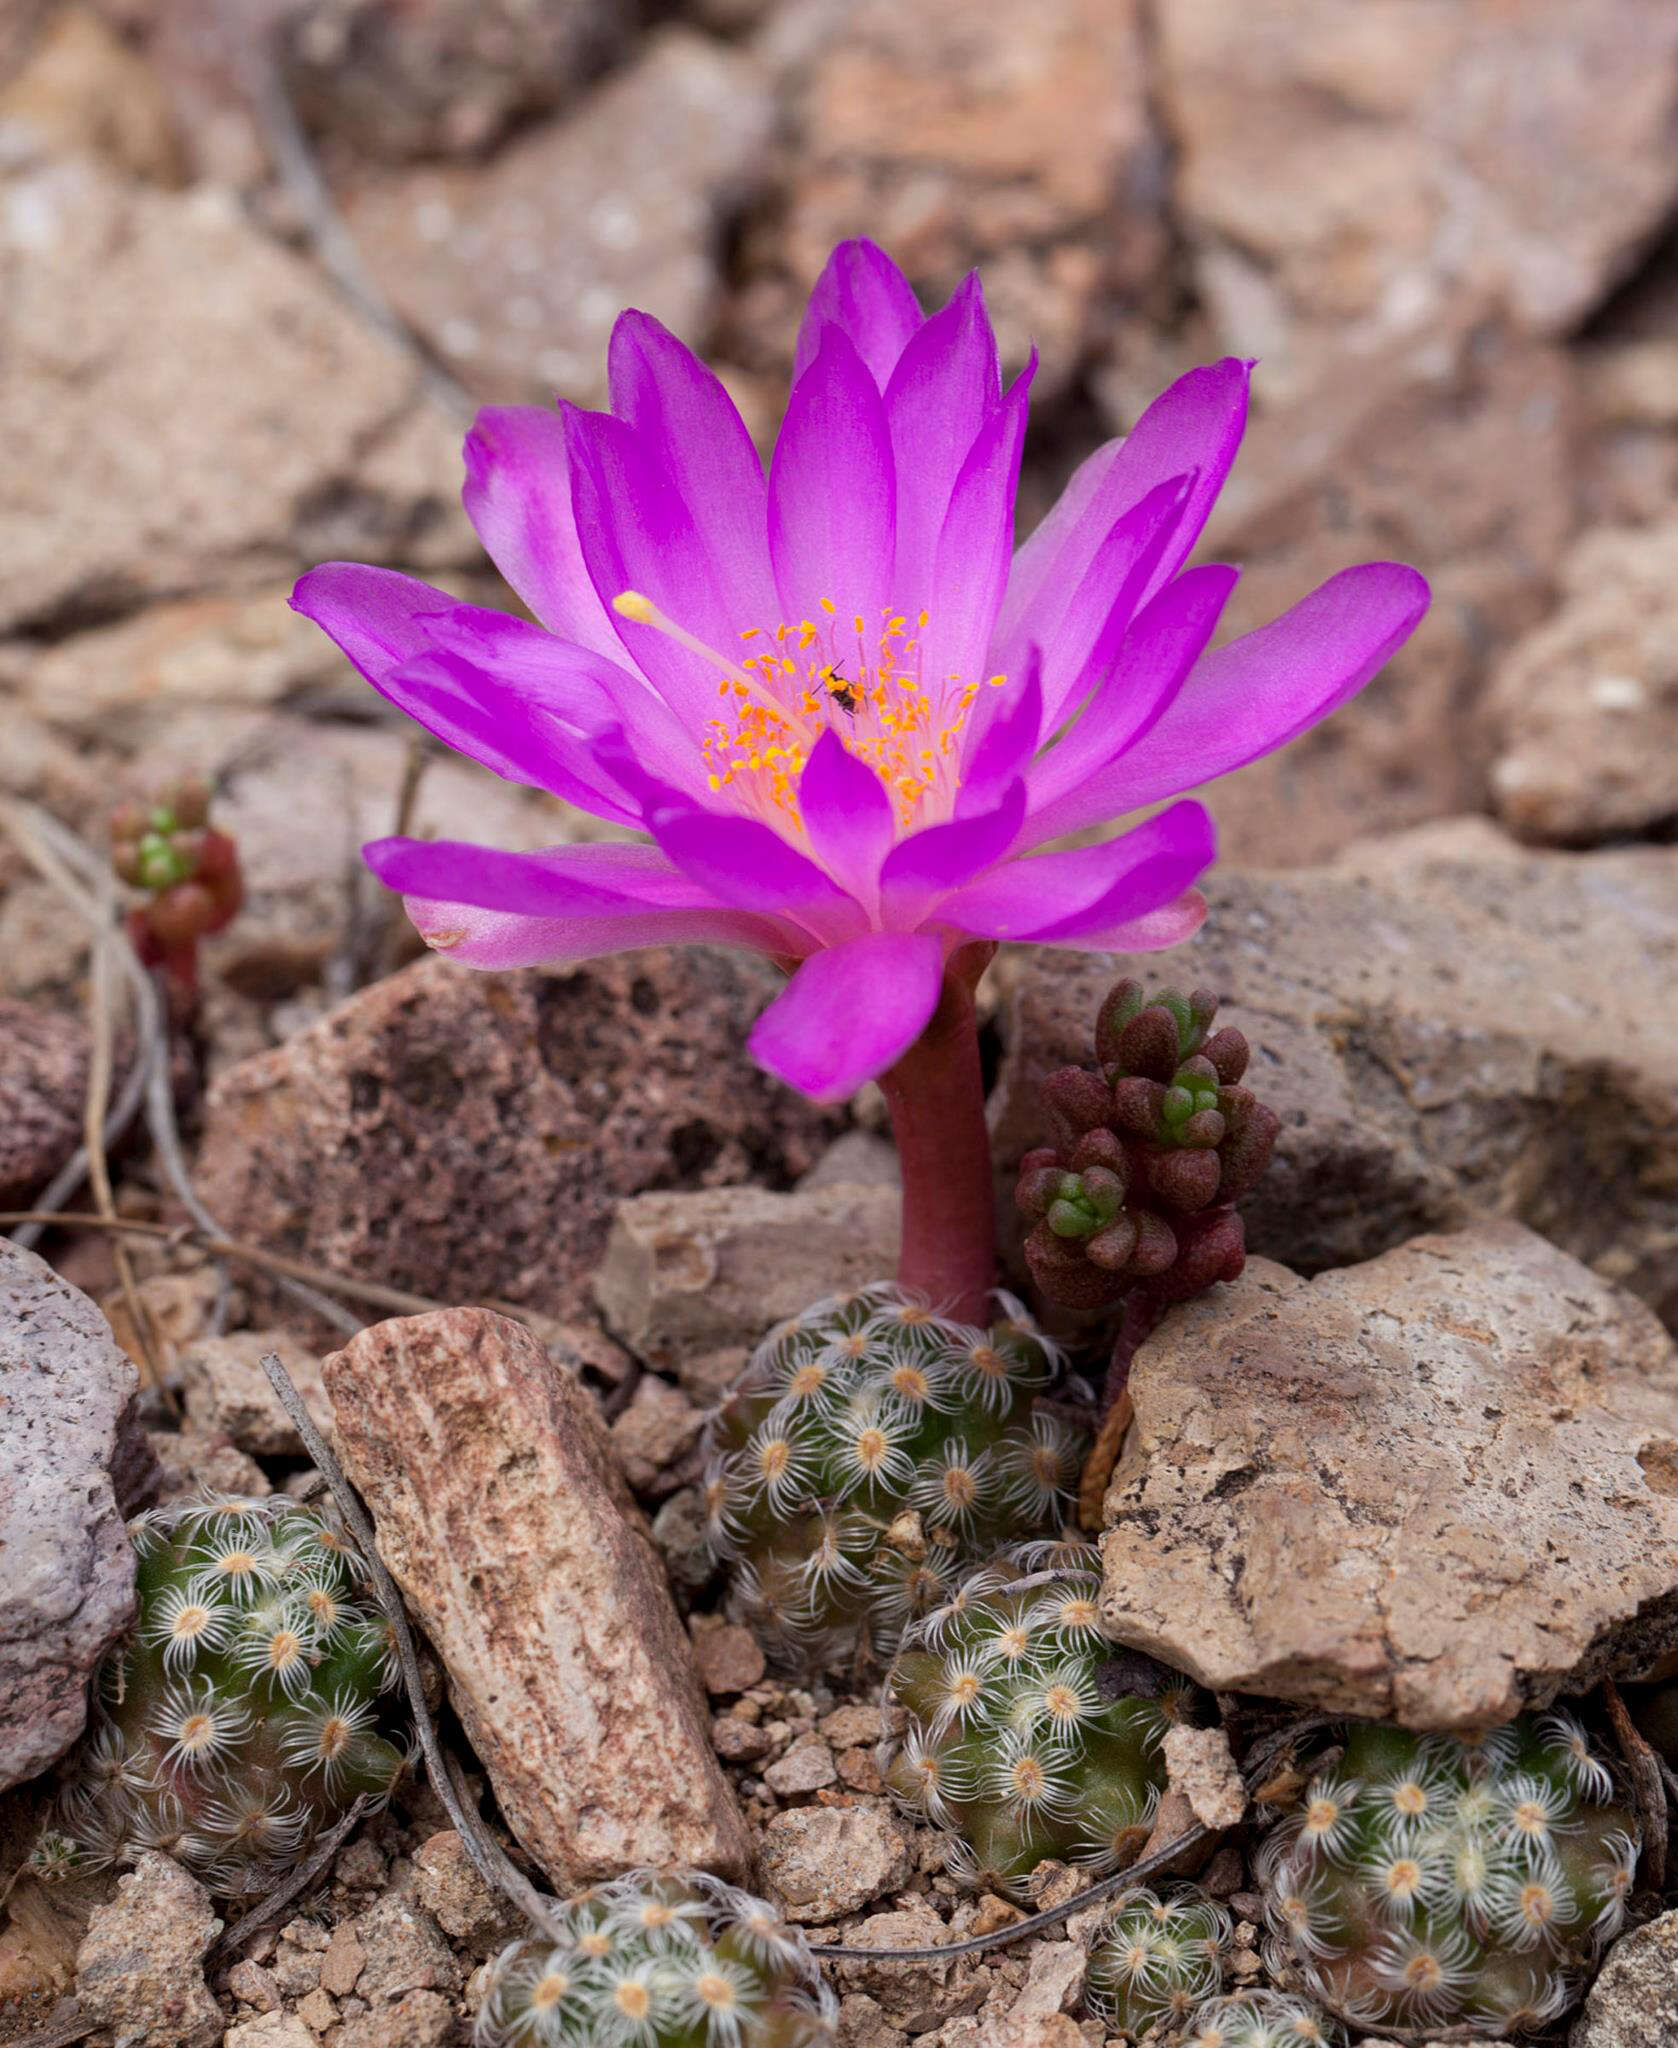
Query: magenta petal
x,y
1007,741
1073,784
946,383
1173,924
518,496
849,1012
1099,610
376,616
1259,692
1055,898
847,815
500,939
862,292
681,412
926,866
833,492
751,867
1196,425
571,881
976,541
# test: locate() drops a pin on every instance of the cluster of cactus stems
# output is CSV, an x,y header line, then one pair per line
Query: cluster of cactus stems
x,y
187,871
1431,1883
660,1960
870,1455
1027,1735
1153,1148
246,1710
1261,2019
1156,1958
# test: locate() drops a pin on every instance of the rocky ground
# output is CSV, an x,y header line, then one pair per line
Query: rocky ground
x,y
255,266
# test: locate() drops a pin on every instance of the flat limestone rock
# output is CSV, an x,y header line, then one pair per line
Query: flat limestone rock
x,y
1443,1022
502,1519
66,1567
1438,1488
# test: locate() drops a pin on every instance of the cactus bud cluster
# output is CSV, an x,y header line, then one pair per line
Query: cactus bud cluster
x,y
1155,1958
870,1454
1261,2019
1153,1147
660,1960
188,871
1027,1734
1428,1882
246,1710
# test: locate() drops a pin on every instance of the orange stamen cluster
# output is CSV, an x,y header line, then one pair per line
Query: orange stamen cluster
x,y
868,686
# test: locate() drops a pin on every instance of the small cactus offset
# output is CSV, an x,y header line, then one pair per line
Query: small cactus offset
x,y
1429,1883
1155,1958
245,1711
660,1960
1152,1150
1028,1735
871,1453
1261,2019
188,871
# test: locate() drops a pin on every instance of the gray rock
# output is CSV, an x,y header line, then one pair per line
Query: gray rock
x,y
1634,2003
68,1445
43,1080
1436,1488
821,1862
1446,1022
140,1971
227,1392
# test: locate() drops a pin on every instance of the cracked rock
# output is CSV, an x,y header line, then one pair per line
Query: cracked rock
x,y
821,1862
1437,1488
140,1971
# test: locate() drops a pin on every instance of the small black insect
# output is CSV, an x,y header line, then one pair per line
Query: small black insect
x,y
842,692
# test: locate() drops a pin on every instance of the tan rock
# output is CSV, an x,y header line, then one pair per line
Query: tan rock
x,y
1586,706
1371,167
451,1890
821,1862
1198,1764
122,302
515,270
1435,1488
83,90
469,1135
729,1657
272,2030
1451,1020
227,1391
954,140
1634,2003
140,1972
653,1436
688,1276
499,1514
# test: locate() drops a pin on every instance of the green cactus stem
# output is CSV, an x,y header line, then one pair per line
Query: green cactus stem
x,y
1027,1735
1261,2019
1155,1958
248,1708
1431,1883
870,1454
672,1959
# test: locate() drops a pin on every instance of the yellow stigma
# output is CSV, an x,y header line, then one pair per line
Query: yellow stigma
x,y
630,604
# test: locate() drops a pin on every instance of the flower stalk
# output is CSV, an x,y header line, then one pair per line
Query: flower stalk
x,y
936,1094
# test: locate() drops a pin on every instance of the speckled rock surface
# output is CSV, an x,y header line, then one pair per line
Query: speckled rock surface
x,y
1446,1020
1435,1488
43,1078
821,1862
140,1971
502,1519
1634,2003
66,1569
483,1127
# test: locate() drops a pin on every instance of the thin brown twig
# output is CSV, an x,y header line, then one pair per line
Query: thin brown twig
x,y
1648,1788
488,1858
76,2028
214,1245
